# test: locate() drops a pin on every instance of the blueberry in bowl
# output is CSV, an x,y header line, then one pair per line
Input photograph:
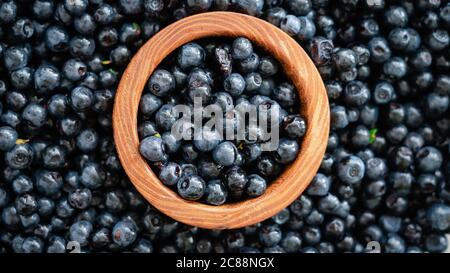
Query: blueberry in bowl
x,y
228,167
224,62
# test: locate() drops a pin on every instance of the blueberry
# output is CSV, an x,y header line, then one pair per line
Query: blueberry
x,y
307,29
395,68
270,235
170,173
146,128
56,244
115,201
189,153
48,182
82,47
438,40
191,187
444,14
252,152
57,39
339,118
428,159
25,204
334,229
33,244
443,85
294,126
436,242
129,33
156,6
383,92
150,27
356,93
85,24
224,100
321,50
406,39
253,82
225,153
54,157
242,48
256,185
8,11
236,181
143,246
351,169
199,5
252,7
22,184
8,137
266,88
131,7
376,168
274,15
22,29
345,59
191,55
107,37
33,114
436,105
215,192
207,140
87,140
152,149
249,64
81,232
15,58
285,94
267,166
171,143
290,24
379,50
281,217
74,70
319,186
438,217
120,55
104,14
287,151
20,156
92,175
396,16
161,83
46,78
80,198
46,207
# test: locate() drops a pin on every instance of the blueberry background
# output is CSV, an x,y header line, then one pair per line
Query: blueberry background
x,y
385,176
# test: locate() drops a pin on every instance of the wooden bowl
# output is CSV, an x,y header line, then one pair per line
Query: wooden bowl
x,y
297,66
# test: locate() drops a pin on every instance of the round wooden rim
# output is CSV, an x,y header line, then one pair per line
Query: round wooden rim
x,y
297,66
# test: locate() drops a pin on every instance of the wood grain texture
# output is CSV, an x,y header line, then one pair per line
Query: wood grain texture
x,y
297,66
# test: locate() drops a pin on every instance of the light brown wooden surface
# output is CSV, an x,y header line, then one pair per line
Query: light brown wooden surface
x,y
297,66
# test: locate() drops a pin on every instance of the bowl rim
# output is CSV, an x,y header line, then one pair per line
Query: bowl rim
x,y
297,66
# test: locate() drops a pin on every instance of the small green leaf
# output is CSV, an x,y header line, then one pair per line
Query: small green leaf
x,y
157,135
135,25
241,146
373,135
106,62
22,141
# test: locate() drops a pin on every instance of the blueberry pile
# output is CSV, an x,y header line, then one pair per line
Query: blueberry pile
x,y
385,176
231,77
